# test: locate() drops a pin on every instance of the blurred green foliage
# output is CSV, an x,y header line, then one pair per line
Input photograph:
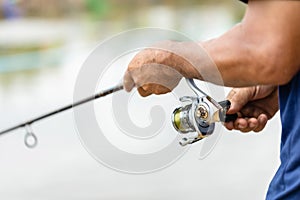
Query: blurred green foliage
x,y
97,9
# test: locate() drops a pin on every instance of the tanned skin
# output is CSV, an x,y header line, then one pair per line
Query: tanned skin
x,y
255,56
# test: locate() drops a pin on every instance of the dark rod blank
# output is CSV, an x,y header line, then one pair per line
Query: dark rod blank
x,y
67,107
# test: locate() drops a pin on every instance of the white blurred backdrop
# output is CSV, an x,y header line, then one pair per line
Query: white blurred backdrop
x,y
42,47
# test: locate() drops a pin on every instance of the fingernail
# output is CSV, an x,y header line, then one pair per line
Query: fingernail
x,y
240,126
261,120
251,125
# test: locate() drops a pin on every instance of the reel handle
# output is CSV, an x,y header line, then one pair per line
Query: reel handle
x,y
227,117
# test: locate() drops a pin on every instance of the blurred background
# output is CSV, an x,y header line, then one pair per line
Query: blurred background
x,y
43,44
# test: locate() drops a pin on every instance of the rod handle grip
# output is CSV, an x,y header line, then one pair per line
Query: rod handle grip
x,y
231,117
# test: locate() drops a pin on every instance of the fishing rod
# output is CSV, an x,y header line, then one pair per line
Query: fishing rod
x,y
195,120
30,138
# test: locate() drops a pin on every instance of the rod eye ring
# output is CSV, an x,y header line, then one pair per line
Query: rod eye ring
x,y
30,139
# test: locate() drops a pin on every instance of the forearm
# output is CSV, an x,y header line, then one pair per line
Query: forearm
x,y
240,60
263,49
235,59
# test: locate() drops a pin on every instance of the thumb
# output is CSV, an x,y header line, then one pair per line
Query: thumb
x,y
128,82
239,97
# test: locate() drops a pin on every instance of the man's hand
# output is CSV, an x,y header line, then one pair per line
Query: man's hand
x,y
152,71
254,105
158,69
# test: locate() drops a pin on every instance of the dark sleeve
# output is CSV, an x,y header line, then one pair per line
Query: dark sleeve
x,y
245,1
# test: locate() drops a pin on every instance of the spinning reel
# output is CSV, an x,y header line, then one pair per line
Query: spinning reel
x,y
197,119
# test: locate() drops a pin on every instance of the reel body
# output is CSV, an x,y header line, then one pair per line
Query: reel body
x,y
196,120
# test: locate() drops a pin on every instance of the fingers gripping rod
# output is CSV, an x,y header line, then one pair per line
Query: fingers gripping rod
x,y
31,139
